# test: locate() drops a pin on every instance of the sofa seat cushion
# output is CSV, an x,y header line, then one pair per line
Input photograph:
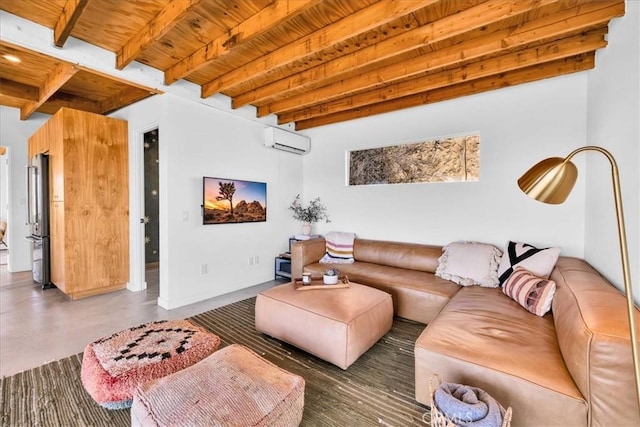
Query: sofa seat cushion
x,y
417,295
483,338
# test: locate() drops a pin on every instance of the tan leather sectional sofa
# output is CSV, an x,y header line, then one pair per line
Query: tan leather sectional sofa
x,y
571,367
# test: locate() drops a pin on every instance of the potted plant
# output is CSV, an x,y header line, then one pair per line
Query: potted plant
x,y
313,213
330,276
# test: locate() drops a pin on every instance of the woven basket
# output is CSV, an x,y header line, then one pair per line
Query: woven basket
x,y
438,419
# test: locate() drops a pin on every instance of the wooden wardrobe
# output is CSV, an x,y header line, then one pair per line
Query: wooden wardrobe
x,y
89,196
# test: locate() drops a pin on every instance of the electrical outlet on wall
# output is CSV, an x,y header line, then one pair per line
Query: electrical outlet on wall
x,y
250,260
204,269
257,259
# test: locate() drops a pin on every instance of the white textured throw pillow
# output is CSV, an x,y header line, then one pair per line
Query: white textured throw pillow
x,y
539,262
470,263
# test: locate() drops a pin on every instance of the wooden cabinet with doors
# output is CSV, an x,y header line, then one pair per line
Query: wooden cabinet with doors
x,y
39,141
89,233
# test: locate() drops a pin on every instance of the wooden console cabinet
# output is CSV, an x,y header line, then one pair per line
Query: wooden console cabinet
x,y
89,195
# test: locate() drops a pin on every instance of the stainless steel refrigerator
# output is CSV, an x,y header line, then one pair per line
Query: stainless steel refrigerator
x,y
38,219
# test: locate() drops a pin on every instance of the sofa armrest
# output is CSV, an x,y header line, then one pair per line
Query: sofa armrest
x,y
305,252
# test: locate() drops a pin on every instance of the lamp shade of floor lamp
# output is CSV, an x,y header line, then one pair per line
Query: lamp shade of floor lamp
x,y
551,181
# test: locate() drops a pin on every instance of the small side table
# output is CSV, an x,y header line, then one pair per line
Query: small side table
x,y
282,266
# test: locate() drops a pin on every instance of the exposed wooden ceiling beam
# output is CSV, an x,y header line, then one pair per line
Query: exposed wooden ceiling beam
x,y
477,17
68,18
511,78
62,99
164,21
495,66
125,97
54,81
265,20
361,21
121,80
18,90
9,101
563,23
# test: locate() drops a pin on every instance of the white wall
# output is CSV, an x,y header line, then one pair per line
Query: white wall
x,y
614,123
15,134
196,141
518,126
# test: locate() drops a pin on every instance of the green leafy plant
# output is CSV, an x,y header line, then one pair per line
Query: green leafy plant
x,y
332,272
315,212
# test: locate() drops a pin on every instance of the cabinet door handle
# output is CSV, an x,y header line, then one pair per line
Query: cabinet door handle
x,y
30,193
141,220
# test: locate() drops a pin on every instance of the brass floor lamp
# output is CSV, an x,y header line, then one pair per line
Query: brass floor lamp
x,y
551,181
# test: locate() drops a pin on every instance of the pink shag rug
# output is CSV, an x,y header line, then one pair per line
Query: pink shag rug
x,y
112,367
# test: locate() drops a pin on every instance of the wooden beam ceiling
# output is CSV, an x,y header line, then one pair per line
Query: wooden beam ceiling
x,y
153,31
18,90
36,82
364,20
512,78
259,24
316,62
276,98
54,81
68,18
494,66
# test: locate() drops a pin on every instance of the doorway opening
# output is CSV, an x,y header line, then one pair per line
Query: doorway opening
x,y
4,204
151,206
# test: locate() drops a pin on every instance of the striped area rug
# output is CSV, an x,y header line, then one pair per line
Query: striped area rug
x,y
377,390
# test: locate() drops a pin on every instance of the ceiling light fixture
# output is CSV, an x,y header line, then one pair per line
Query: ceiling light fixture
x,y
12,58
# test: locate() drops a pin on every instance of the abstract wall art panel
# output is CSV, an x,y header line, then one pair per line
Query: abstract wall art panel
x,y
452,159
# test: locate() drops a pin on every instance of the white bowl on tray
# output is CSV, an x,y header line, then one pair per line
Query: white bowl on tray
x,y
330,280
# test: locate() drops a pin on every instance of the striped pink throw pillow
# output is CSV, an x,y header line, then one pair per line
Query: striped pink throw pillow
x,y
532,292
339,248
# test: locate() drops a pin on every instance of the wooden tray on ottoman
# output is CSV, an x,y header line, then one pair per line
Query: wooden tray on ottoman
x,y
317,283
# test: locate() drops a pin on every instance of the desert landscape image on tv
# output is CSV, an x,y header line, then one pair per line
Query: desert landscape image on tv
x,y
228,201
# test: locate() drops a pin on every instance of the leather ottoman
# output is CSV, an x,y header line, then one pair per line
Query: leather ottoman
x,y
232,387
336,325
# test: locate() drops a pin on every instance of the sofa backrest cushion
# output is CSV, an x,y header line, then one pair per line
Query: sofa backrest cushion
x,y
411,256
591,322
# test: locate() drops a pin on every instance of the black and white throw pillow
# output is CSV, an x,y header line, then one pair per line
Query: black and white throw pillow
x,y
539,262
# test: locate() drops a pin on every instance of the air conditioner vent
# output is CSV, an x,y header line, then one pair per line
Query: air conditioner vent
x,y
279,139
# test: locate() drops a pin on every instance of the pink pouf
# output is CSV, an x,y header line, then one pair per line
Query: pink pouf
x,y
112,367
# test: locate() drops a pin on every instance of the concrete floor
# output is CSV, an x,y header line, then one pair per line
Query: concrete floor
x,y
39,326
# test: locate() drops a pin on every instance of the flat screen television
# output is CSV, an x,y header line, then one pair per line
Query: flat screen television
x,y
232,201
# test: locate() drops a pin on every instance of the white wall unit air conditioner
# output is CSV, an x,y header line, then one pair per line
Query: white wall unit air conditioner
x,y
287,141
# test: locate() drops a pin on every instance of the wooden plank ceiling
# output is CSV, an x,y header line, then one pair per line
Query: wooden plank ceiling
x,y
45,84
313,62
